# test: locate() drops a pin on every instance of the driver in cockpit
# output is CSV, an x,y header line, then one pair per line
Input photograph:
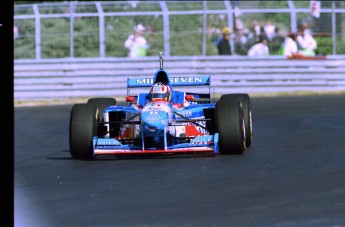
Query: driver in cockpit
x,y
160,92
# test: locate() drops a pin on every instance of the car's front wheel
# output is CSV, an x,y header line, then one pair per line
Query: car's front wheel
x,y
101,104
247,113
82,129
231,126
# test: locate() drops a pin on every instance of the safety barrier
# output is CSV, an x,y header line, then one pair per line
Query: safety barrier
x,y
92,77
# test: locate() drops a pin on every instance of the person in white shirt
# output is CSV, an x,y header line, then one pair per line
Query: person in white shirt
x,y
290,46
136,43
305,41
260,48
269,29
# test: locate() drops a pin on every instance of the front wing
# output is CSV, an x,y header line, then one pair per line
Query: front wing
x,y
200,144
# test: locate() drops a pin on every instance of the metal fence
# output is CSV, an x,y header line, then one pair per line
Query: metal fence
x,y
190,28
59,79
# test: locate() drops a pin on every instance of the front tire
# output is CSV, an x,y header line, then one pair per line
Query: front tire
x,y
247,113
231,126
101,104
82,129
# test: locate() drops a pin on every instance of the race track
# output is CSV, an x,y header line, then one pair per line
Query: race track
x,y
293,175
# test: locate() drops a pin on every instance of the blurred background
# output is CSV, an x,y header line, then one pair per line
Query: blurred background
x,y
75,29
75,49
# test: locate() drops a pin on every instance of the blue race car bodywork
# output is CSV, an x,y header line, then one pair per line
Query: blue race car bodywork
x,y
161,127
188,123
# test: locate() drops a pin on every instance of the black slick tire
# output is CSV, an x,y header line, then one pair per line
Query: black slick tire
x,y
231,126
101,104
82,129
247,113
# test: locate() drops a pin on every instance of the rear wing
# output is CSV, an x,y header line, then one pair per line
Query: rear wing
x,y
187,81
199,86
174,81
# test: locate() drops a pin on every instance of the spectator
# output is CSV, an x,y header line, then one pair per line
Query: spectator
x,y
15,32
260,48
223,45
255,28
269,30
276,41
305,41
214,23
253,34
289,47
240,41
240,38
239,24
214,32
136,43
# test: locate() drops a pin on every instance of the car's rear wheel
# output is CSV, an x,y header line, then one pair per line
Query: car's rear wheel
x,y
247,112
82,129
101,104
231,126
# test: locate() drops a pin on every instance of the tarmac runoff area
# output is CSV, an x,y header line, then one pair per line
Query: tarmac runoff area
x,y
292,174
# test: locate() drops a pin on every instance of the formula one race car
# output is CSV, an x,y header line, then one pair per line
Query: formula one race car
x,y
161,121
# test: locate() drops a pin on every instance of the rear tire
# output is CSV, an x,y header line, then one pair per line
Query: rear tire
x,y
82,129
231,126
101,104
247,112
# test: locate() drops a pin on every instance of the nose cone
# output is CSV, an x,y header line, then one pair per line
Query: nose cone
x,y
154,120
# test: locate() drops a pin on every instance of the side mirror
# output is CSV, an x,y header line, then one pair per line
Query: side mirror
x,y
189,97
130,99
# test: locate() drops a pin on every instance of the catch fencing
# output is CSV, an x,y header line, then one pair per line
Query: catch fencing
x,y
60,79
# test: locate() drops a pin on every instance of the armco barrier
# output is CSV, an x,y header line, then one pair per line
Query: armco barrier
x,y
73,78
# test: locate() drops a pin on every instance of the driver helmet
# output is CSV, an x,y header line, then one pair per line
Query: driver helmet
x,y
160,92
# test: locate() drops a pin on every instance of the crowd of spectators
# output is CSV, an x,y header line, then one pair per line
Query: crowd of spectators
x,y
258,39
263,40
300,43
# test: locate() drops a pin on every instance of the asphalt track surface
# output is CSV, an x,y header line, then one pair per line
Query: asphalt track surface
x,y
293,175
